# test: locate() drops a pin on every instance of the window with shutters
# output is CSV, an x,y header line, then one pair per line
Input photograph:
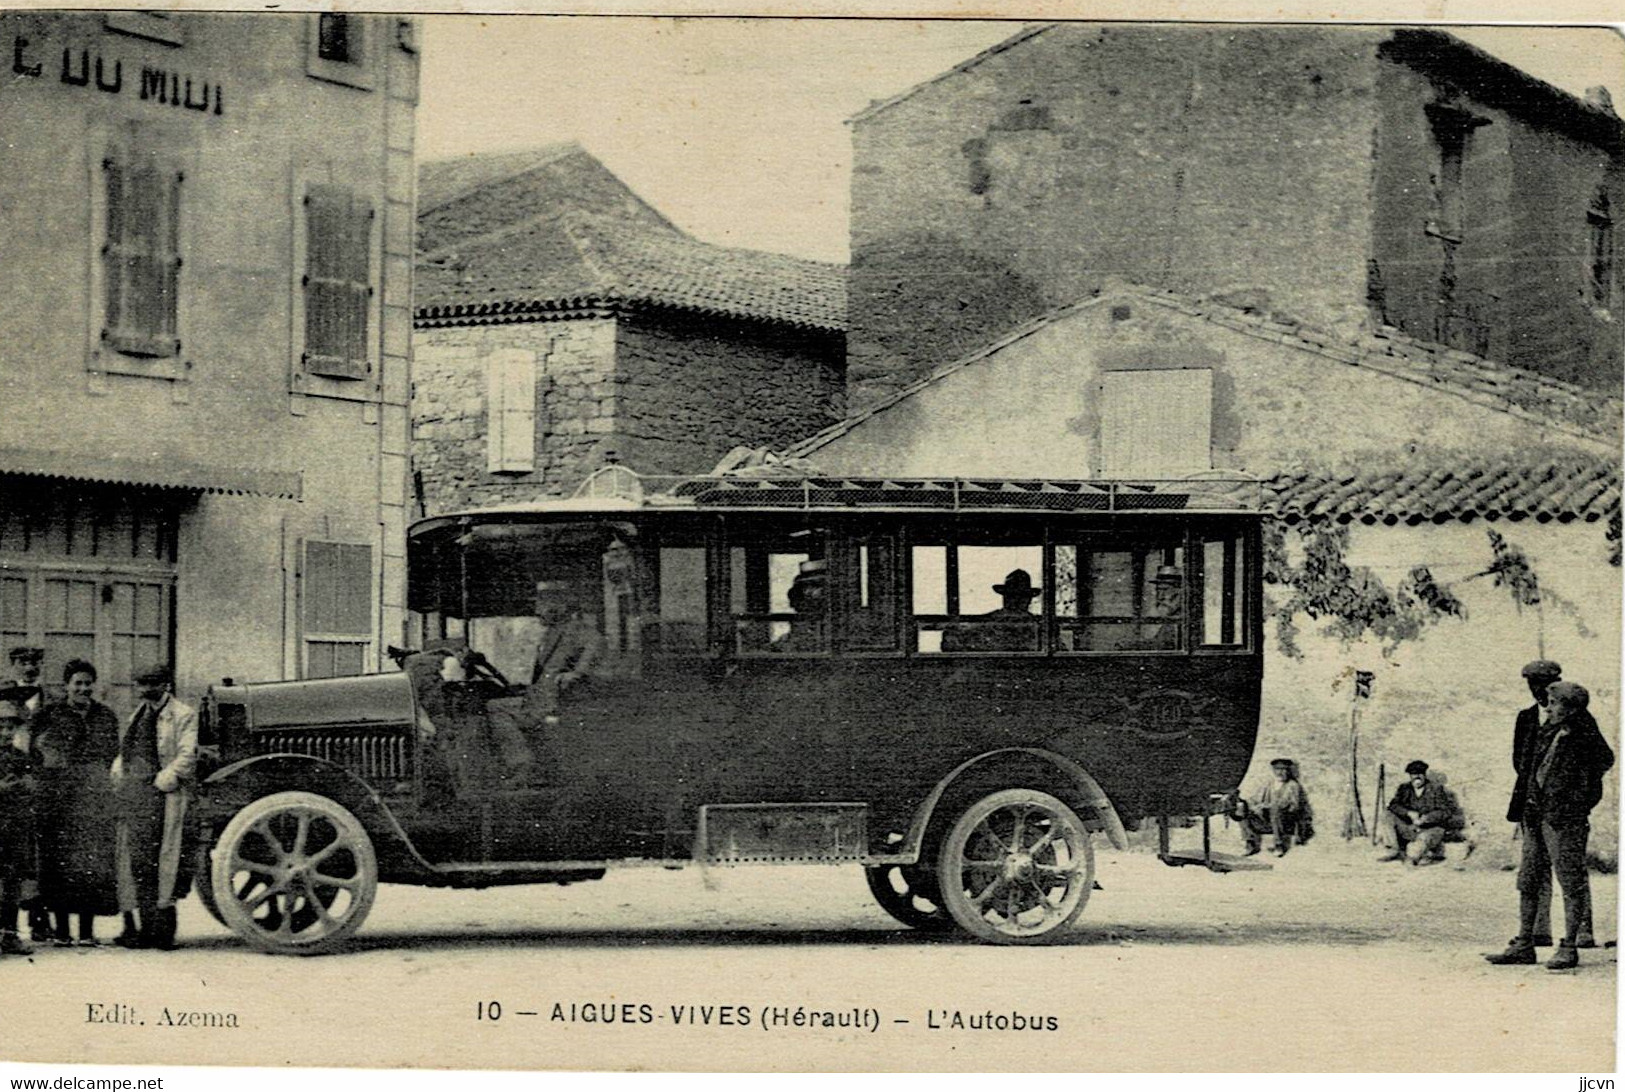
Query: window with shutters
x,y
337,283
1156,424
141,252
336,608
510,409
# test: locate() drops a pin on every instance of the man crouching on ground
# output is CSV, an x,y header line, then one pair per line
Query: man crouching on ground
x,y
1554,812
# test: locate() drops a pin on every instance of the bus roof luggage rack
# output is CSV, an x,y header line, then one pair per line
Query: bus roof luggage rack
x,y
955,494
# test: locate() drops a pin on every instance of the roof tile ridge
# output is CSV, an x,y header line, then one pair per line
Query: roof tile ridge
x,y
560,148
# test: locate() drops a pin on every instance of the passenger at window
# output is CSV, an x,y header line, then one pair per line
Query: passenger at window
x,y
1165,612
78,738
570,648
808,596
1012,627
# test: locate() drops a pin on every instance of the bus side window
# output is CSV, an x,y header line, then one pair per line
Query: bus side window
x,y
870,579
778,595
978,598
681,622
1121,597
1221,572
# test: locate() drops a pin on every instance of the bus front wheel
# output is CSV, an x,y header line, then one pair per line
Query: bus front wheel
x,y
1016,867
294,873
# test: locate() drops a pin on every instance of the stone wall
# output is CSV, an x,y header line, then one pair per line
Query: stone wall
x,y
692,388
575,409
1289,170
1518,275
667,392
1233,162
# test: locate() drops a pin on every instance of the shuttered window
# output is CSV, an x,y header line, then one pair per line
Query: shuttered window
x,y
337,282
141,258
510,405
1156,424
336,608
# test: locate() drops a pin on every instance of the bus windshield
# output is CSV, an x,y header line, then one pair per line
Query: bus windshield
x,y
500,587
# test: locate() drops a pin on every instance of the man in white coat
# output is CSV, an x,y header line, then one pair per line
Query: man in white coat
x,y
152,781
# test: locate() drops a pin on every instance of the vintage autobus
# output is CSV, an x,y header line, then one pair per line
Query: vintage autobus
x,y
953,684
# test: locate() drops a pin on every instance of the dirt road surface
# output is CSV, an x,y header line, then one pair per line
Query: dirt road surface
x,y
1330,961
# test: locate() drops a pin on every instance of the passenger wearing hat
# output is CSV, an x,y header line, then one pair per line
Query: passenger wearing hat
x,y
808,597
569,651
1562,782
19,763
1011,627
152,786
1422,810
1280,808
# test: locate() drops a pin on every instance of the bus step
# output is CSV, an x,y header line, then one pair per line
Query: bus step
x,y
1216,862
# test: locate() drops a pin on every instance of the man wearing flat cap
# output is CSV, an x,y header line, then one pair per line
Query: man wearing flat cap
x,y
152,782
1280,808
1422,811
1558,785
1538,674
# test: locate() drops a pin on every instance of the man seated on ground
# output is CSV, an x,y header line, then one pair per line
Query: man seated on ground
x,y
1280,808
1422,811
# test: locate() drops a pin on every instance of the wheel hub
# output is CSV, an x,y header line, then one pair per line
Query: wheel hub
x,y
1018,866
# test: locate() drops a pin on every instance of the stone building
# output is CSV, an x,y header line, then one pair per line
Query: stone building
x,y
561,320
204,354
1347,178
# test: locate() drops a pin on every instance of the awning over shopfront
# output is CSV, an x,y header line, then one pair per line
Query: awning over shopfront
x,y
163,472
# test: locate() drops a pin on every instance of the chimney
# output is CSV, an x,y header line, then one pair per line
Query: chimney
x,y
1600,98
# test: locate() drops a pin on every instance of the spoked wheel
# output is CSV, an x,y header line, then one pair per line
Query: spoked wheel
x,y
909,894
294,874
1016,868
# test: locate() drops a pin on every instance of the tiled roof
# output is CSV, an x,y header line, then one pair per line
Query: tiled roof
x,y
1552,403
443,180
579,261
1509,487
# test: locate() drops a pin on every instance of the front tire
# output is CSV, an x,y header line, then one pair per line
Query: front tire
x,y
294,873
1016,868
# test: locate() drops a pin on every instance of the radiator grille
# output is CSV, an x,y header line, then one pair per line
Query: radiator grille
x,y
377,755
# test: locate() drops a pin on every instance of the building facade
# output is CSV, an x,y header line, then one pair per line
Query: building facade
x,y
561,322
1348,178
205,358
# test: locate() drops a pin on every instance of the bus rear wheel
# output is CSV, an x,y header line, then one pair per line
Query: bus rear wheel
x,y
1016,868
909,894
294,873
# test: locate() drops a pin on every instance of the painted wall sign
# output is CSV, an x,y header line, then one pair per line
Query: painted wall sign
x,y
87,68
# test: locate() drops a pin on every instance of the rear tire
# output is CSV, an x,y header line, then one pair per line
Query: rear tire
x,y
1016,868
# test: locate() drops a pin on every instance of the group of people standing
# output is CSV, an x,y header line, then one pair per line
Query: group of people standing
x,y
92,812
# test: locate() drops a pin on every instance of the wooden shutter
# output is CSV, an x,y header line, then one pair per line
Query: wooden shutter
x,y
510,411
338,282
141,257
1156,424
336,608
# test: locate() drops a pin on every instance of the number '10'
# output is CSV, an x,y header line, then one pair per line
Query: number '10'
x,y
488,1010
